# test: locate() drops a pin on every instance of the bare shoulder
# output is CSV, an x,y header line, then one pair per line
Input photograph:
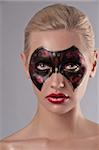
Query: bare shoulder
x,y
92,128
4,145
14,137
94,125
7,142
21,134
14,143
19,139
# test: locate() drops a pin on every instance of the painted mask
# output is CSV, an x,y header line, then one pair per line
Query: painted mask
x,y
69,62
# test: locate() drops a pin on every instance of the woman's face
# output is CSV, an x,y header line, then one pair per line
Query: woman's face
x,y
59,67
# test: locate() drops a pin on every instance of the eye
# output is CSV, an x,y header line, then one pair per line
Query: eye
x,y
72,67
41,66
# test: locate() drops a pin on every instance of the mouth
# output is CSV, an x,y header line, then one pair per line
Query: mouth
x,y
57,98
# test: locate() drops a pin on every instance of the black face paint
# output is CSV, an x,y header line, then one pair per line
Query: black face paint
x,y
69,62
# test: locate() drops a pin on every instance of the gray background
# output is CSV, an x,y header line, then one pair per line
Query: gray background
x,y
18,103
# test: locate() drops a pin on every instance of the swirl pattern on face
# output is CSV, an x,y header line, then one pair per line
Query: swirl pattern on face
x,y
69,62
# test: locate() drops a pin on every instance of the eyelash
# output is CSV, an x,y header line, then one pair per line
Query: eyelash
x,y
41,66
71,67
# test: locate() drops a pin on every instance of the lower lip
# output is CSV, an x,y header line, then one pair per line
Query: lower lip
x,y
56,100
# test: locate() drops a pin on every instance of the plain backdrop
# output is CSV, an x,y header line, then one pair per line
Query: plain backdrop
x,y
18,102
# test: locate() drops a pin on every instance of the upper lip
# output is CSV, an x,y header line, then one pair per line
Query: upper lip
x,y
57,95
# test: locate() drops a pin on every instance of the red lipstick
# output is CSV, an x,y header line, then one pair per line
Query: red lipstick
x,y
57,98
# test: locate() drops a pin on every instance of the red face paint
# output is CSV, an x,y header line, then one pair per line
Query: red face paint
x,y
69,62
39,79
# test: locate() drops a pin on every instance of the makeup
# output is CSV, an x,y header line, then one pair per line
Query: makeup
x,y
69,62
58,98
56,101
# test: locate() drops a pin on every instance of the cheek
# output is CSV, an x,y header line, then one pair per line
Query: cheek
x,y
38,77
80,91
75,78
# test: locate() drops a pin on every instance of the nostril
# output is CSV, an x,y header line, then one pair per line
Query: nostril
x,y
58,85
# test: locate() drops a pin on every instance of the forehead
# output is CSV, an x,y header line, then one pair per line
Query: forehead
x,y
55,40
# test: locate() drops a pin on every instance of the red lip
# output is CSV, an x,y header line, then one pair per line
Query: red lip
x,y
57,98
54,95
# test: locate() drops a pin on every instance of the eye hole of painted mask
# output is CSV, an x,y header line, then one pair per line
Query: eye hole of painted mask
x,y
71,67
42,66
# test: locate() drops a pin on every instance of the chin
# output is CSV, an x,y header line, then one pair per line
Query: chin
x,y
59,109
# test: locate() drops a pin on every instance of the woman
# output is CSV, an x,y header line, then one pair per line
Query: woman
x,y
59,57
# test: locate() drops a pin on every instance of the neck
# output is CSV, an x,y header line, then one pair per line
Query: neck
x,y
56,125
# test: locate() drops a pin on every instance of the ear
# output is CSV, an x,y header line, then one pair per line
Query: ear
x,y
94,64
25,64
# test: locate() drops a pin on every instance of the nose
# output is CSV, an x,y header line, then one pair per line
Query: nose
x,y
57,81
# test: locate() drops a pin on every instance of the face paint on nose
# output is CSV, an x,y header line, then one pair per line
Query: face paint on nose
x,y
69,62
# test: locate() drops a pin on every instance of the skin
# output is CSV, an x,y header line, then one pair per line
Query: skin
x,y
56,127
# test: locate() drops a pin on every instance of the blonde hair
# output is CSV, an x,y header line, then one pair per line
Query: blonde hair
x,y
60,16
